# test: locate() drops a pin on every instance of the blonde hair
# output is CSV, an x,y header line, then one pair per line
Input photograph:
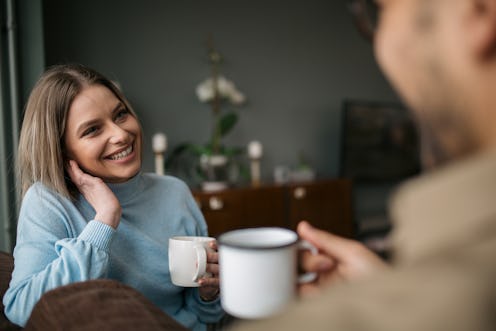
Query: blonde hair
x,y
41,155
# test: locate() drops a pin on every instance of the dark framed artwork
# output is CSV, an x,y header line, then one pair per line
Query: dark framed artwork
x,y
379,142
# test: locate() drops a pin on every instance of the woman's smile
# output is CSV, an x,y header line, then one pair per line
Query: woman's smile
x,y
120,155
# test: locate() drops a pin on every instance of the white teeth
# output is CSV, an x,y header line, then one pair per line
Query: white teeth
x,y
122,154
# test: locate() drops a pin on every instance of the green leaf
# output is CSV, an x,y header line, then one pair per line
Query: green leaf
x,y
227,122
175,153
199,149
233,151
180,149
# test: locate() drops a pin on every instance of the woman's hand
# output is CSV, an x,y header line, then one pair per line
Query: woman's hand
x,y
209,286
339,259
101,198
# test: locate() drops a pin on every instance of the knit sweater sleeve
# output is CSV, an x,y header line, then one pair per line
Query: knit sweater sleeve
x,y
52,250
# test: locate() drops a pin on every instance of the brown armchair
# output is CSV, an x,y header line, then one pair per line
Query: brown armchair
x,y
101,304
6,267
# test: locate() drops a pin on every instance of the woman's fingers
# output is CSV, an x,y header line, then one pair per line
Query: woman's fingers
x,y
212,257
209,281
81,179
97,193
213,245
213,268
74,172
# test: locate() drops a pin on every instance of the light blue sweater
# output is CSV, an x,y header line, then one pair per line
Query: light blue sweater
x,y
59,243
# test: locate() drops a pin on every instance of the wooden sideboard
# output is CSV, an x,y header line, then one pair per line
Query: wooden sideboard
x,y
324,203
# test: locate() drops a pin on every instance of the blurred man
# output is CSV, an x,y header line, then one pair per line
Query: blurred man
x,y
440,55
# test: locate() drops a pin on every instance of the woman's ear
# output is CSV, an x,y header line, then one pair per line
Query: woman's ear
x,y
482,27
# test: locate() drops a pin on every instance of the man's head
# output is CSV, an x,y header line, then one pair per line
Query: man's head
x,y
440,55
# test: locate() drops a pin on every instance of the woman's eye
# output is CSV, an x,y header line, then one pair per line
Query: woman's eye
x,y
122,114
90,130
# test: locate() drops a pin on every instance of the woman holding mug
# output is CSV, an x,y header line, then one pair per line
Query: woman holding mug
x,y
88,211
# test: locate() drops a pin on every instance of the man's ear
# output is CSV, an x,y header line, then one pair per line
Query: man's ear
x,y
482,27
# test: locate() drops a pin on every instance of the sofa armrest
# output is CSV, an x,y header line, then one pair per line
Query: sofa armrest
x,y
6,267
98,305
92,305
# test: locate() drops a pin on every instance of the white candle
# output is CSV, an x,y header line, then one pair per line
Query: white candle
x,y
255,172
159,142
255,150
159,145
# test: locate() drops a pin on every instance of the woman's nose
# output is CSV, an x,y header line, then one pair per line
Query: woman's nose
x,y
117,134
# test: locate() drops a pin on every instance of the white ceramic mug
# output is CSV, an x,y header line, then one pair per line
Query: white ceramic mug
x,y
258,270
188,259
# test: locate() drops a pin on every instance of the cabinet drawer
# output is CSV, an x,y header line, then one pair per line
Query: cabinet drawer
x,y
325,204
242,208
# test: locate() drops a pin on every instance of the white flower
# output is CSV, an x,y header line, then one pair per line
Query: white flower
x,y
225,88
204,91
237,98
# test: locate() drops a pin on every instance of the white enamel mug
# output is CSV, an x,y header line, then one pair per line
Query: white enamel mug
x,y
258,270
188,259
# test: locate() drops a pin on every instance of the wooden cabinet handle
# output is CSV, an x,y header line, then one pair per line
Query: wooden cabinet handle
x,y
299,193
216,203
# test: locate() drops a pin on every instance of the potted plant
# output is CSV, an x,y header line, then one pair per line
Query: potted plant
x,y
214,158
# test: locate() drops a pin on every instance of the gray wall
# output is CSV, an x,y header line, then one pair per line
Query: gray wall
x,y
22,61
295,60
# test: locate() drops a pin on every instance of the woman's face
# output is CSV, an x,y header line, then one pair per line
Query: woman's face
x,y
102,136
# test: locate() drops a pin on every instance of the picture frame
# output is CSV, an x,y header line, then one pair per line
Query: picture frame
x,y
379,142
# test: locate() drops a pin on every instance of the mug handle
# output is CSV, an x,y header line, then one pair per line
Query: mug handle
x,y
309,276
201,262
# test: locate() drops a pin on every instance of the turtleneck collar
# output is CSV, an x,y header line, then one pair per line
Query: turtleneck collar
x,y
127,190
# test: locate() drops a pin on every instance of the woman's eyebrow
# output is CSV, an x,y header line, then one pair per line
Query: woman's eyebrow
x,y
118,107
82,126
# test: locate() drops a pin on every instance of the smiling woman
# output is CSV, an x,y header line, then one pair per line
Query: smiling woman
x,y
85,203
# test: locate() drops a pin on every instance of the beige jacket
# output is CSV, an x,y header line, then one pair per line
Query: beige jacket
x,y
444,270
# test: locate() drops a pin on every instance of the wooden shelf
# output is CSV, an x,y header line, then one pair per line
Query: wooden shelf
x,y
324,203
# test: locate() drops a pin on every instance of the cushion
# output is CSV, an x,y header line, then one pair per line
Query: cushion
x,y
98,305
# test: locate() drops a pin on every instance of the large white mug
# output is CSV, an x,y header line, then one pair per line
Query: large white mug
x,y
258,270
188,259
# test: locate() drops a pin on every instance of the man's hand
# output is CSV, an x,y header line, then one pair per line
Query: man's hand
x,y
339,259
